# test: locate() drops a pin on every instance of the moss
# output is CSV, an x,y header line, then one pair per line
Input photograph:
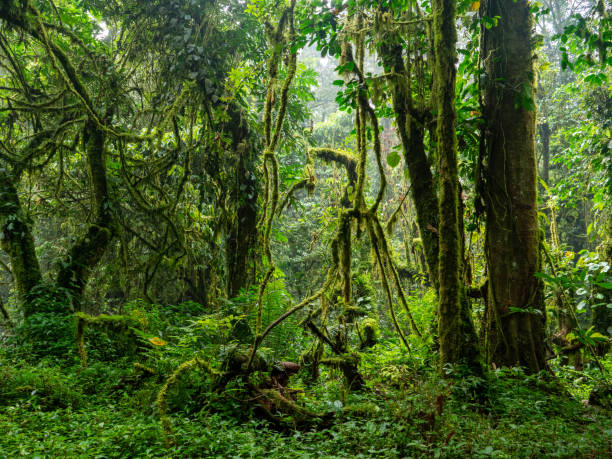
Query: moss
x,y
411,129
342,158
344,237
286,406
370,330
161,400
278,42
512,235
90,248
139,367
351,313
450,331
120,324
18,241
349,365
382,266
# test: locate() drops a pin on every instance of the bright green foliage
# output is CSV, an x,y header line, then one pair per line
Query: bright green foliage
x,y
106,410
222,224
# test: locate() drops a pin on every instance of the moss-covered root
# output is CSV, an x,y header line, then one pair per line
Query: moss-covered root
x,y
276,400
161,401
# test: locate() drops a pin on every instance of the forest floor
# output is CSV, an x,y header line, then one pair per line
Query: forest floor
x,y
108,410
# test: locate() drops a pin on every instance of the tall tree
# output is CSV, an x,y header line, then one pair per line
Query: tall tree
x,y
458,342
516,315
412,116
88,250
445,39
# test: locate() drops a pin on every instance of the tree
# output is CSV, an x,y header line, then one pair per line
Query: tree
x,y
455,331
515,315
445,39
88,249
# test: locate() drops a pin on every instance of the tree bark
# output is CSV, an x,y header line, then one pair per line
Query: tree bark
x,y
411,130
516,315
17,241
455,328
88,250
445,39
242,232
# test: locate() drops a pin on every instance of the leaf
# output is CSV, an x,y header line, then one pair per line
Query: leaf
x,y
157,341
598,337
474,6
589,228
393,159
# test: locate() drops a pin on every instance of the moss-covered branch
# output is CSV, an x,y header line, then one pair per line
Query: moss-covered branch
x,y
344,159
114,322
272,138
411,129
161,401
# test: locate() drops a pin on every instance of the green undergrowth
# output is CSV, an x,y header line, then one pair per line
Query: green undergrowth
x,y
54,406
107,410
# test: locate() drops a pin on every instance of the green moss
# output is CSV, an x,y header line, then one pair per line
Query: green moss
x,y
370,331
18,241
120,324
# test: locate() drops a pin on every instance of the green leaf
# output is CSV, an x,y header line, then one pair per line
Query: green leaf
x,y
598,337
393,159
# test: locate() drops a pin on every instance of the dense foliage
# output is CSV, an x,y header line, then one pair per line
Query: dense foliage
x,y
305,228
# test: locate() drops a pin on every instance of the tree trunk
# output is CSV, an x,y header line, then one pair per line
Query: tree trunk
x,y
17,241
457,344
242,232
516,313
88,250
445,39
412,134
545,138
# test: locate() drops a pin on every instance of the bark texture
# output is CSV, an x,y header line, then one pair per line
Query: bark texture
x,y
17,241
445,39
545,138
458,343
242,231
516,315
411,129
88,250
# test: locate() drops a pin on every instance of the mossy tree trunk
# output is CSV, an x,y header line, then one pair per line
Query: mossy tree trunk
x,y
17,241
242,232
516,332
75,270
456,346
88,250
411,129
445,39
